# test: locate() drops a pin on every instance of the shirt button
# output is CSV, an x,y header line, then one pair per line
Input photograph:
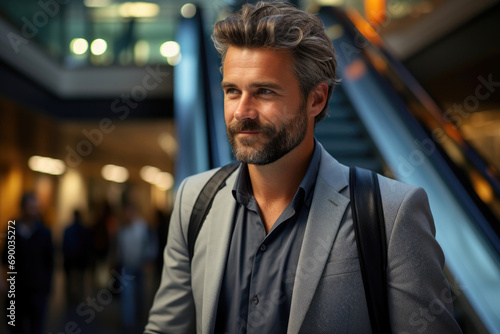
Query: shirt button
x,y
255,300
263,248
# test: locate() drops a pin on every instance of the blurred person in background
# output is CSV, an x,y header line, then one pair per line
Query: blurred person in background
x,y
34,263
77,248
134,248
105,224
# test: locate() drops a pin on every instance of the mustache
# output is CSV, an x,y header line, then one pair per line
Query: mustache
x,y
249,125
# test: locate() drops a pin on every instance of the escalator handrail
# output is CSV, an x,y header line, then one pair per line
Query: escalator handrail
x,y
487,223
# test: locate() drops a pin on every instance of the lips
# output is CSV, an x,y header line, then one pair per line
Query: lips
x,y
248,132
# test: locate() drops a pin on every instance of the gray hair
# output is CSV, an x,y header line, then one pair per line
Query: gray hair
x,y
282,26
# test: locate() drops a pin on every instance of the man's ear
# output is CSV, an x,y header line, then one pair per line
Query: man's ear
x,y
317,99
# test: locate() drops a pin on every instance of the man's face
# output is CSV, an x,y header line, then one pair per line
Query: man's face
x,y
265,114
31,210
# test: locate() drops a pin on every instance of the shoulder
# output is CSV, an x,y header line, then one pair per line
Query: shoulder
x,y
198,180
396,194
406,209
190,189
397,197
393,189
336,175
192,185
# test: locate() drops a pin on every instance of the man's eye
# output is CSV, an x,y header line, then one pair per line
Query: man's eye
x,y
265,91
231,91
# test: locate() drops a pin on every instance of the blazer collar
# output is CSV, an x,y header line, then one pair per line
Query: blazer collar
x,y
328,208
333,173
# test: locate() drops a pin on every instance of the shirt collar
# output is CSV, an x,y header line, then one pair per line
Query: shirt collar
x,y
242,190
309,180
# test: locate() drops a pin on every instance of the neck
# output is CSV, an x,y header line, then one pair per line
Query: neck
x,y
274,185
279,181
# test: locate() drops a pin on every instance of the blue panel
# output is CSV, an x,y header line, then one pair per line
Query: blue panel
x,y
189,103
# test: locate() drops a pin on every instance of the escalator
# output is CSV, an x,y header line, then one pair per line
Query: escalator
x,y
419,147
343,135
381,119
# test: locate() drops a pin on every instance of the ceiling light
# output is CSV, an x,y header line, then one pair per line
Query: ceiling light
x,y
188,10
164,181
98,46
79,46
155,176
46,165
170,49
172,61
139,9
114,173
97,3
168,143
149,173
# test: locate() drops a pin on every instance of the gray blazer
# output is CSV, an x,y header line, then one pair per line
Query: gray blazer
x,y
328,294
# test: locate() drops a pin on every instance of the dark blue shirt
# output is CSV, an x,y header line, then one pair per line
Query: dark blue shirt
x,y
258,281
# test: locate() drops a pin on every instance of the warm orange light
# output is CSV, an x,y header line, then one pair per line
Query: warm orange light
x,y
375,12
452,131
355,70
10,193
482,187
364,27
378,62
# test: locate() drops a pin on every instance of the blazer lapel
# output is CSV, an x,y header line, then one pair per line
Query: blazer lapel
x,y
219,236
327,209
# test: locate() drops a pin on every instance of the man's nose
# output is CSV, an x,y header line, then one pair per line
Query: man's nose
x,y
246,108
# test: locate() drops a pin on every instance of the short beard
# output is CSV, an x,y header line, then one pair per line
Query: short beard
x,y
280,141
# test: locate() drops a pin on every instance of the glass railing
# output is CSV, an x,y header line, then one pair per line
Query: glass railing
x,y
99,32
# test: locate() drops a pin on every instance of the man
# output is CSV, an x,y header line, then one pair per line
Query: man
x,y
76,247
277,251
34,264
134,249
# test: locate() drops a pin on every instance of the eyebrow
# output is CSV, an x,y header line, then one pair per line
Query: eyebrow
x,y
268,84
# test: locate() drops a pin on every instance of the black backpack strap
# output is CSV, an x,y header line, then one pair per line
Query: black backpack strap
x,y
369,227
204,202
